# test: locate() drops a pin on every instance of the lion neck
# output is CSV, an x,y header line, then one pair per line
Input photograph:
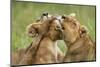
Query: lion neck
x,y
72,40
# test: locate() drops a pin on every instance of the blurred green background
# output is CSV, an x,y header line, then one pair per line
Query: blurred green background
x,y
24,13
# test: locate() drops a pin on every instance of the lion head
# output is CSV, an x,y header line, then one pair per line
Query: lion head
x,y
71,27
40,27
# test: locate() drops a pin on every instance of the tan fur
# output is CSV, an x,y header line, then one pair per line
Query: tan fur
x,y
30,52
37,28
80,45
16,56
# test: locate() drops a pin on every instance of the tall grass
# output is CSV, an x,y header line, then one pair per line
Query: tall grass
x,y
24,13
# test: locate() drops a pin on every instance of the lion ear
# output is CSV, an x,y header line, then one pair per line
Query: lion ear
x,y
83,30
63,16
72,14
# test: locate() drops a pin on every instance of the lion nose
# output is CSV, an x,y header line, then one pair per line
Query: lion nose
x,y
45,14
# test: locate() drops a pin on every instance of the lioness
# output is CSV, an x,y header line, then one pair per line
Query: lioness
x,y
32,32
80,45
47,50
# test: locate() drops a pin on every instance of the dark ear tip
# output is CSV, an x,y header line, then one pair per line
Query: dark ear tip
x,y
63,17
45,14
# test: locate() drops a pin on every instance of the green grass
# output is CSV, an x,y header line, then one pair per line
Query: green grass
x,y
24,13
